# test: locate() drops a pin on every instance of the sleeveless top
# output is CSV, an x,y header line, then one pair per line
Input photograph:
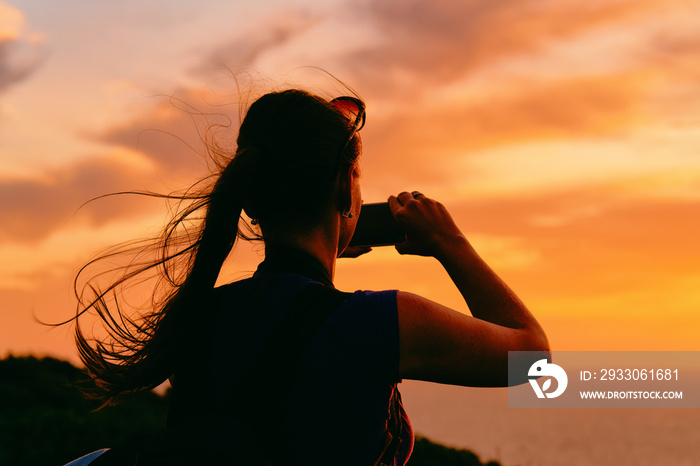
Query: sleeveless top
x,y
337,408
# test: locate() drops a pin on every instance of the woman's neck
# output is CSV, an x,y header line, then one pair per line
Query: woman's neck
x,y
319,243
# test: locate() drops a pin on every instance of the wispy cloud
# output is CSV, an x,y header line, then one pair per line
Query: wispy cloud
x,y
591,242
453,81
255,40
425,43
436,139
19,57
171,133
33,209
426,138
161,150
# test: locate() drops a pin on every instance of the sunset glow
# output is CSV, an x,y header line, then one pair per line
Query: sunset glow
x,y
563,136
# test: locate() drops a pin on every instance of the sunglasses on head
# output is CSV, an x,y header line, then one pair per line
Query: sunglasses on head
x,y
354,110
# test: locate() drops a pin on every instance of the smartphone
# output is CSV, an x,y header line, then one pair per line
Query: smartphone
x,y
376,227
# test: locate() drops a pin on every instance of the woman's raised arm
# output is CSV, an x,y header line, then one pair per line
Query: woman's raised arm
x,y
439,344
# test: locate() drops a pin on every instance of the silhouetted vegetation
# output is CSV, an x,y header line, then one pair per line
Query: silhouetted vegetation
x,y
45,419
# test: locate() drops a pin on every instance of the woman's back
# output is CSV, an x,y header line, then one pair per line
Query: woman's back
x,y
338,404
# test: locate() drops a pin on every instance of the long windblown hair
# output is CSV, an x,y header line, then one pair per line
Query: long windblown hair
x,y
289,145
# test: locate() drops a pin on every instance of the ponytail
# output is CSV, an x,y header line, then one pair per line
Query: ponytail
x,y
219,231
139,354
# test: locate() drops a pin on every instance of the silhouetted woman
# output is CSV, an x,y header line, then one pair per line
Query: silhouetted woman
x,y
280,368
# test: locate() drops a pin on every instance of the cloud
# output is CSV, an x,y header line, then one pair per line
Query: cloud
x,y
271,34
18,58
33,209
450,80
431,143
427,46
11,22
591,236
58,255
434,43
171,133
425,43
671,53
161,150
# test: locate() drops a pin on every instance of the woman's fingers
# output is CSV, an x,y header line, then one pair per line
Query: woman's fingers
x,y
404,197
394,204
426,223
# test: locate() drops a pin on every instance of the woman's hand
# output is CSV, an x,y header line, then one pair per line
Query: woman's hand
x,y
430,229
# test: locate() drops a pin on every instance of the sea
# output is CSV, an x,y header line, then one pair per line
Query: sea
x,y
480,420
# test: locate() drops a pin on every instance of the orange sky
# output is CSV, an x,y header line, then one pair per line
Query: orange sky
x,y
563,136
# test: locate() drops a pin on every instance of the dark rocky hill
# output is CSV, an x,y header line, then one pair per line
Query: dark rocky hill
x,y
45,419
